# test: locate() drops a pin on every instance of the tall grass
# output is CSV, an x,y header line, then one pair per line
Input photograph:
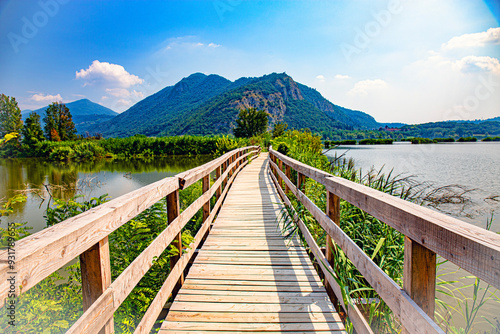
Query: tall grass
x,y
383,244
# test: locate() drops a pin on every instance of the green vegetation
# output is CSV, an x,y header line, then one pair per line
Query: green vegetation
x,y
279,129
419,140
467,139
333,143
491,139
376,141
382,243
444,140
250,122
10,123
59,124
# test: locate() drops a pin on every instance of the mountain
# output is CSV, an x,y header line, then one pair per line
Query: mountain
x,y
203,105
86,114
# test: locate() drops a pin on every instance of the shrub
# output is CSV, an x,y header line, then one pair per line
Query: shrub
x,y
61,153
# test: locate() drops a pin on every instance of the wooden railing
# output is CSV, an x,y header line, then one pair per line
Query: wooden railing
x,y
86,235
427,233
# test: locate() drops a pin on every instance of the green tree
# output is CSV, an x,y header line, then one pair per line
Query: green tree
x,y
10,123
279,129
59,123
250,122
32,131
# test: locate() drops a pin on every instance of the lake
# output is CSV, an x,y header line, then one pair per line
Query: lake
x,y
474,166
90,179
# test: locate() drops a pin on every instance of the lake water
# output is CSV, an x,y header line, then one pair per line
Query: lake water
x,y
475,166
90,179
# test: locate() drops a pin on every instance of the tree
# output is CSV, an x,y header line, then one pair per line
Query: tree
x,y
10,123
279,129
250,122
59,123
10,115
32,130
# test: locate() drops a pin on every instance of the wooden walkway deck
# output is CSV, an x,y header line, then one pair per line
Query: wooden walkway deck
x,y
246,278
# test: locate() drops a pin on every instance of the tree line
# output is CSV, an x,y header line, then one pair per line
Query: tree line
x,y
58,126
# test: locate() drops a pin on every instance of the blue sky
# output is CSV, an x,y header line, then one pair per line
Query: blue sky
x,y
398,60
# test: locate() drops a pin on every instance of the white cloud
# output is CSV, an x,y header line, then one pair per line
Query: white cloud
x,y
187,43
365,87
46,98
489,37
475,64
124,93
321,78
342,77
109,74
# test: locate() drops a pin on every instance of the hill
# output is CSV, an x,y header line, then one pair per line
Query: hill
x,y
86,114
203,105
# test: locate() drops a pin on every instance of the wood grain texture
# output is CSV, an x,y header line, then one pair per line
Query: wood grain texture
x,y
470,247
246,277
96,277
417,320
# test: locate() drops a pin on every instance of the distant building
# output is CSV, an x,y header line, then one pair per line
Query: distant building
x,y
387,128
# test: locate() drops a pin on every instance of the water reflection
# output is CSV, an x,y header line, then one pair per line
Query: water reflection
x,y
42,180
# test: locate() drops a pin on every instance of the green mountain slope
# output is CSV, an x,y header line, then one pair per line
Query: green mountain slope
x,y
86,114
151,115
201,105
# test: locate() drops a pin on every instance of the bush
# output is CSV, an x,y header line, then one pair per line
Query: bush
x,y
87,150
467,139
62,153
376,141
282,148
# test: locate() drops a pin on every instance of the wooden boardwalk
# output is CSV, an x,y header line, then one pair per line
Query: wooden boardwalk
x,y
246,278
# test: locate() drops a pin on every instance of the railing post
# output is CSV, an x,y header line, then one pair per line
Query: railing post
x,y
280,166
173,211
419,279
206,207
288,173
301,179
95,267
218,192
333,211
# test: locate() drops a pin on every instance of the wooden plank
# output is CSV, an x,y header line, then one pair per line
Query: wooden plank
x,y
251,308
270,327
278,317
252,299
95,268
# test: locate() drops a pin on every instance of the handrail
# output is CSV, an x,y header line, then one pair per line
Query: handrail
x,y
427,233
86,235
